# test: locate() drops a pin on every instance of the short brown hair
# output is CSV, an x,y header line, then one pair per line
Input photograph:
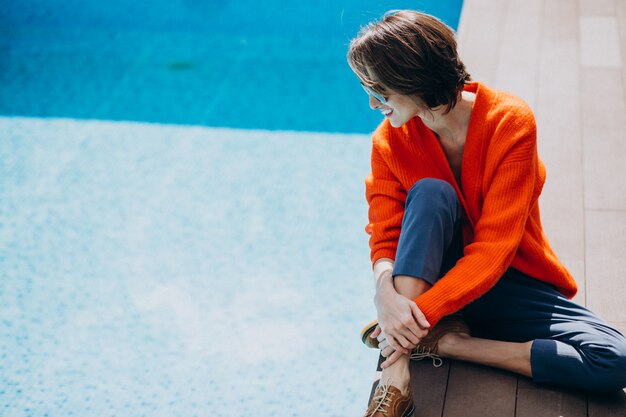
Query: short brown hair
x,y
410,53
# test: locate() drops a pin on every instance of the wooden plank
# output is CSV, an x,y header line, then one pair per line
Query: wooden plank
x,y
478,391
605,240
603,159
480,34
602,98
561,149
610,405
429,385
537,401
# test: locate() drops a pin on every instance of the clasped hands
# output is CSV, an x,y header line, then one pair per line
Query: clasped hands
x,y
401,324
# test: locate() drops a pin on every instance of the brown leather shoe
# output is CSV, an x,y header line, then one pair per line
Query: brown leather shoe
x,y
428,346
367,330
388,401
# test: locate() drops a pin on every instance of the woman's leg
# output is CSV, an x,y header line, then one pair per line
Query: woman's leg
x,y
527,327
430,244
510,356
523,325
559,342
398,372
427,248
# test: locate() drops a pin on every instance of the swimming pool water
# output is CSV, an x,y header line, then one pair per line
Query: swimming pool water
x,y
209,262
276,65
160,270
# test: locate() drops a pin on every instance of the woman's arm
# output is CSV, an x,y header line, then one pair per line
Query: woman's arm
x,y
512,187
386,198
399,318
380,266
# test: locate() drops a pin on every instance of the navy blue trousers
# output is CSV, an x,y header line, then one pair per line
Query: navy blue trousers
x,y
571,345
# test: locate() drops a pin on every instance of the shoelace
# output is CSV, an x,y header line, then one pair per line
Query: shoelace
x,y
420,353
382,400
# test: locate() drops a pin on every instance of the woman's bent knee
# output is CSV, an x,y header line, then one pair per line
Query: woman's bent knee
x,y
431,186
432,196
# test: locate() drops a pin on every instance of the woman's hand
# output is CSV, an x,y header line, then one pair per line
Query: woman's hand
x,y
399,318
390,354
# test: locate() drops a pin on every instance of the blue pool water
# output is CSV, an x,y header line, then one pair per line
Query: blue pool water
x,y
241,64
182,209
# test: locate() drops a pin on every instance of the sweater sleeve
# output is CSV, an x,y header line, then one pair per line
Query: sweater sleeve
x,y
511,192
386,197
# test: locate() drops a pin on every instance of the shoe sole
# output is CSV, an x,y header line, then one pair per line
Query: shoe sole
x,y
365,333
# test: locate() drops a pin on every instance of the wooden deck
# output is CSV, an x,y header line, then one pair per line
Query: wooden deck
x,y
566,59
459,389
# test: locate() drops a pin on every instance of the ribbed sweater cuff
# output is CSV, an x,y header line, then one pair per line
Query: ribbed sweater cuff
x,y
383,253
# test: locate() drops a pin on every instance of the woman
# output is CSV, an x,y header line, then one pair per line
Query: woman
x,y
456,239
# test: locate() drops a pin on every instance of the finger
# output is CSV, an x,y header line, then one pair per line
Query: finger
x,y
405,339
414,330
419,316
382,344
391,359
397,343
376,332
386,352
386,347
412,334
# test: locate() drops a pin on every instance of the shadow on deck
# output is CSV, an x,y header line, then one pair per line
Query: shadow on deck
x,y
459,389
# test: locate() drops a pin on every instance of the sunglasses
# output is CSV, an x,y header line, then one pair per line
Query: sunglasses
x,y
374,94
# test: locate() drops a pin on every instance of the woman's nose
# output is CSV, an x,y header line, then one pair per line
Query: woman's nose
x,y
373,102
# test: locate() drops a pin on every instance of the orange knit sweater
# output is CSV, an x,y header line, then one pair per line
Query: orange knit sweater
x,y
501,179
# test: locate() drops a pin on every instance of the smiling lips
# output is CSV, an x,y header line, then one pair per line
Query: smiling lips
x,y
387,112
